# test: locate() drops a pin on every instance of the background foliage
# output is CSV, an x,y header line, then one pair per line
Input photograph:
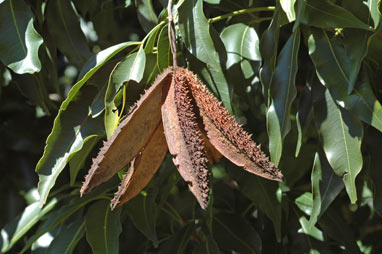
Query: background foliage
x,y
302,75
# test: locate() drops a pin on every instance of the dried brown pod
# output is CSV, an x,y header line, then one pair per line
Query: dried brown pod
x,y
196,127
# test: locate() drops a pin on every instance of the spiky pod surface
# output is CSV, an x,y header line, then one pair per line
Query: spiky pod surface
x,y
130,136
184,138
225,134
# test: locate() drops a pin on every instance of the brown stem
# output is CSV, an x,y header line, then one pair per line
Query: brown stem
x,y
171,34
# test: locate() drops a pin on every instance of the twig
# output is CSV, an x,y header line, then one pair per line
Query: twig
x,y
240,12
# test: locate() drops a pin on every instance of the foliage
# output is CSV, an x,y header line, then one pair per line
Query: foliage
x,y
301,75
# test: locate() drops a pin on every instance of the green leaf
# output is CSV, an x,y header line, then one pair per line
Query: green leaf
x,y
262,192
283,92
208,247
234,233
152,37
325,14
337,60
164,52
268,50
200,39
288,7
20,41
143,212
73,124
33,87
64,28
68,237
374,12
78,158
130,69
304,116
304,203
19,226
341,136
335,226
308,230
103,227
363,103
146,15
326,186
178,241
242,46
57,217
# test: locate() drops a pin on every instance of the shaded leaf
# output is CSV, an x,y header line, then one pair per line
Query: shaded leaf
x,y
19,226
64,29
20,41
164,58
208,247
310,230
143,212
268,50
242,46
304,116
103,228
334,225
152,38
263,193
326,186
363,103
337,60
78,158
283,92
326,14
178,241
234,233
341,136
130,136
73,124
146,15
68,237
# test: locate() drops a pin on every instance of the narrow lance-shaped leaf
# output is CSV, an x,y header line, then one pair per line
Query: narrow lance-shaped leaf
x,y
64,27
20,41
130,136
183,136
341,136
103,228
142,168
164,57
283,92
326,185
288,7
374,12
146,15
268,50
66,241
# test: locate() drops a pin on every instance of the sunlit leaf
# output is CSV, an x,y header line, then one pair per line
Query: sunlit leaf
x,y
288,7
341,136
20,42
18,227
374,11
164,53
242,46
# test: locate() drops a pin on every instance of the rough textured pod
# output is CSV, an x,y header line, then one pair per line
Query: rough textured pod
x,y
130,136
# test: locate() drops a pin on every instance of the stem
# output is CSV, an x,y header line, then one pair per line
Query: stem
x,y
239,12
171,34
